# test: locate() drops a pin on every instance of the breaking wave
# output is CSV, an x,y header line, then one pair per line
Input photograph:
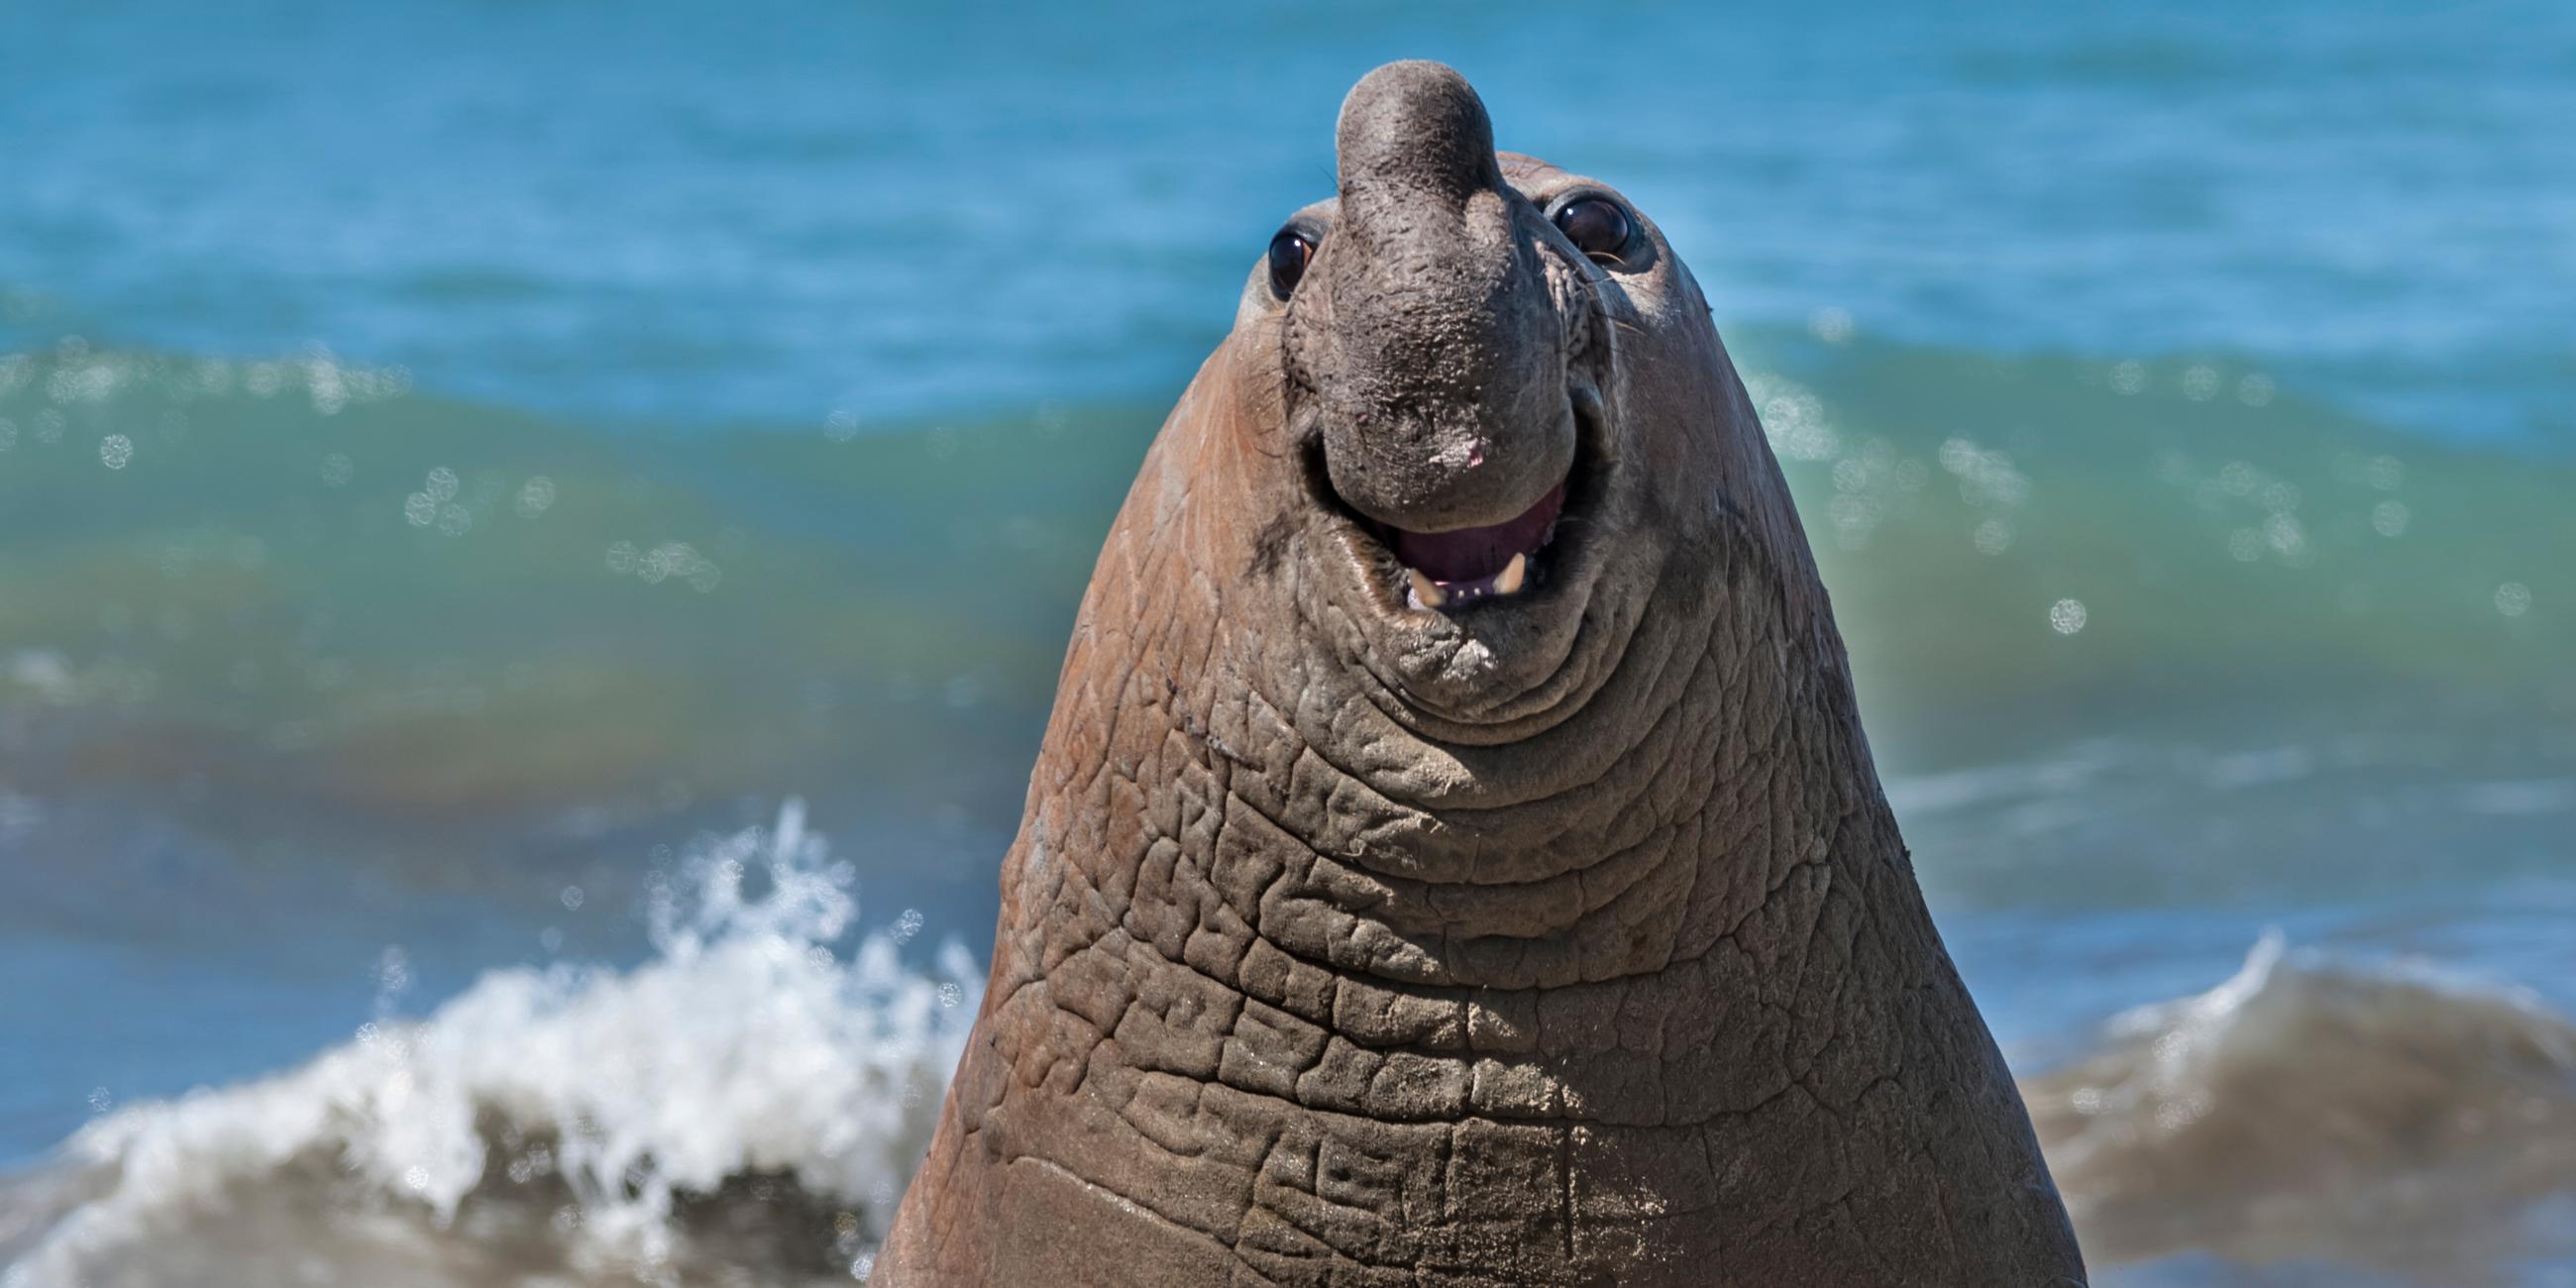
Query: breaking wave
x,y
2311,1109
749,1101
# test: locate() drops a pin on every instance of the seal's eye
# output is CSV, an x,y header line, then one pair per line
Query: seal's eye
x,y
1596,226
1289,254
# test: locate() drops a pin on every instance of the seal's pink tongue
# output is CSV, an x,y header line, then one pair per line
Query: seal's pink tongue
x,y
1467,554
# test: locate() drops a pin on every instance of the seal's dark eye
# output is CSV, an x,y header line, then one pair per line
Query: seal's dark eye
x,y
1289,252
1596,226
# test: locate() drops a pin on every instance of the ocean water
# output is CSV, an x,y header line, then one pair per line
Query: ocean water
x,y
484,489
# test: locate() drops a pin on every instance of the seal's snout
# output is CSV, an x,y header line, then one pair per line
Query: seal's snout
x,y
1416,124
1429,334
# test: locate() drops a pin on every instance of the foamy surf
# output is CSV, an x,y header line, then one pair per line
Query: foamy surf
x,y
745,1106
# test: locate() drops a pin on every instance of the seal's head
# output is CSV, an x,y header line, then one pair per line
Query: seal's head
x,y
1502,412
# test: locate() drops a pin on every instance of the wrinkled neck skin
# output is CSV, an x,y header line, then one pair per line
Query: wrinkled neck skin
x,y
1571,943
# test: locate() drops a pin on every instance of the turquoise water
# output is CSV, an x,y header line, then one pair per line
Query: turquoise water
x,y
455,461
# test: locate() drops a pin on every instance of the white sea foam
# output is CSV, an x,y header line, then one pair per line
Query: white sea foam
x,y
746,1047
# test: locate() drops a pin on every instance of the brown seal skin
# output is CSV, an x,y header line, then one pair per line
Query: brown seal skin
x,y
1563,938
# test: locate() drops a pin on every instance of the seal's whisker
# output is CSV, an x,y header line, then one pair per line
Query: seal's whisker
x,y
1602,307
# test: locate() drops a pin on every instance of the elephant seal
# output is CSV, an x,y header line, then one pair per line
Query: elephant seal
x,y
1454,857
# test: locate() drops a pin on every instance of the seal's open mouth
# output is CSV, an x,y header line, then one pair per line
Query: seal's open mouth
x,y
1462,567
1456,568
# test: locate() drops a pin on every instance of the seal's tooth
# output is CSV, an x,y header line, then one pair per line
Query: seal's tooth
x,y
1508,581
1426,592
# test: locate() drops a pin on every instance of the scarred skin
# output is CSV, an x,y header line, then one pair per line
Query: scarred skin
x,y
1565,939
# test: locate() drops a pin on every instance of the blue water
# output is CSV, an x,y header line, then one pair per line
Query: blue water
x,y
2247,328
775,211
